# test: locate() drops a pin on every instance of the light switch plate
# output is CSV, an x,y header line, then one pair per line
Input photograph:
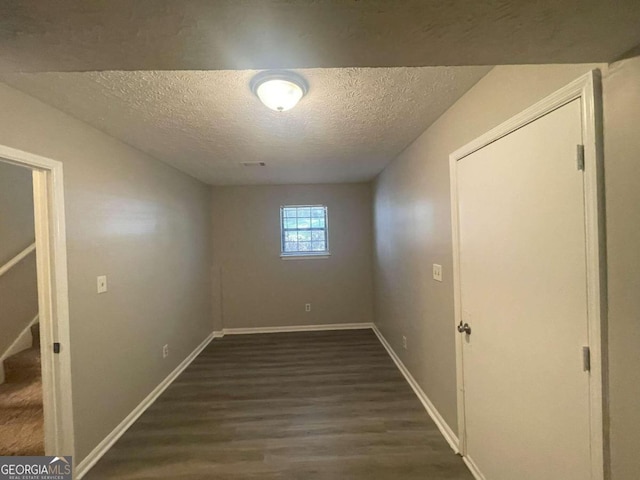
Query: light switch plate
x,y
102,283
437,272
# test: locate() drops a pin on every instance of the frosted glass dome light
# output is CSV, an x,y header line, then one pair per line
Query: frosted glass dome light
x,y
280,91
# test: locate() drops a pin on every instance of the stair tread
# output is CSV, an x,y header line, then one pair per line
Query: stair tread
x,y
23,364
21,403
30,355
21,417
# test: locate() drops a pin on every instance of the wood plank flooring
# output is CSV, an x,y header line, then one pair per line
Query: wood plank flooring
x,y
299,406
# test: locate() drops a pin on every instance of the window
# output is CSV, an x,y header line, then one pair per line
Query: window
x,y
304,230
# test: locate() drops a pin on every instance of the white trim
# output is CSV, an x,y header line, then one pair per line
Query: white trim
x,y
445,429
304,257
473,468
53,298
576,89
455,222
587,90
297,328
103,447
17,259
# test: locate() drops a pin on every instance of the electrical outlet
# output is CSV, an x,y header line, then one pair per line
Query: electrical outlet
x,y
437,272
165,351
102,283
307,307
404,342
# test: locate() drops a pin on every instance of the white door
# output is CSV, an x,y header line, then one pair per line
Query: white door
x,y
523,284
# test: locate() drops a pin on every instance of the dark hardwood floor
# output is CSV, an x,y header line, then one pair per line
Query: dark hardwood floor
x,y
300,406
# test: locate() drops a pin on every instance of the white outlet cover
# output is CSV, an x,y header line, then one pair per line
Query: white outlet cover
x,y
102,283
437,272
307,307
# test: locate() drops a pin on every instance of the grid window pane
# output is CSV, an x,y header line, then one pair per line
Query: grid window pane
x,y
291,236
304,222
291,246
304,230
304,235
318,246
304,246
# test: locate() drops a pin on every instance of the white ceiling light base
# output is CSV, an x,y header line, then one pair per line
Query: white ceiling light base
x,y
279,90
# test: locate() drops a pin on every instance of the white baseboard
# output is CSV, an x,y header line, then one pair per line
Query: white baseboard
x,y
298,328
444,428
103,447
218,334
473,468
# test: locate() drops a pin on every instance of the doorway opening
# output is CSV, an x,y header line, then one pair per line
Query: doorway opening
x,y
35,394
21,402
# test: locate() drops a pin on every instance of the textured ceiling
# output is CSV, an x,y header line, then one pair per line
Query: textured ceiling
x,y
349,126
75,35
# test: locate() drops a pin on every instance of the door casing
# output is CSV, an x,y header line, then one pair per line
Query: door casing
x,y
587,89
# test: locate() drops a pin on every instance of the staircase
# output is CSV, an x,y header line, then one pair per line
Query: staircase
x,y
21,409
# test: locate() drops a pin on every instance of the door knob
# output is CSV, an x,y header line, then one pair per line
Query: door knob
x,y
464,328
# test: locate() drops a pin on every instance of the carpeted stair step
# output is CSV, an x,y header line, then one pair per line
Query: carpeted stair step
x,y
21,410
23,366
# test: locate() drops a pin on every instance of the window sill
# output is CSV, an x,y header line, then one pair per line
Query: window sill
x,y
306,257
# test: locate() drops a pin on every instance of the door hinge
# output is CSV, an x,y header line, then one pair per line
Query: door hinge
x,y
586,359
580,156
56,347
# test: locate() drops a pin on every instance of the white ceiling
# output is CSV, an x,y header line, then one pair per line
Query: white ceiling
x,y
99,35
350,125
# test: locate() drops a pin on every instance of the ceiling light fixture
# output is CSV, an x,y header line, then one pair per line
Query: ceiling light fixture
x,y
279,90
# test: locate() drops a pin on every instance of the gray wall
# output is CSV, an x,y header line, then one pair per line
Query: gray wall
x,y
412,229
622,165
147,227
16,211
259,289
18,287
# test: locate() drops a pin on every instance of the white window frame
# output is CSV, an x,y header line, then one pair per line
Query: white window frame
x,y
302,255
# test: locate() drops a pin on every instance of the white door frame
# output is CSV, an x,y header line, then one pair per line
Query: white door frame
x,y
588,89
53,299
